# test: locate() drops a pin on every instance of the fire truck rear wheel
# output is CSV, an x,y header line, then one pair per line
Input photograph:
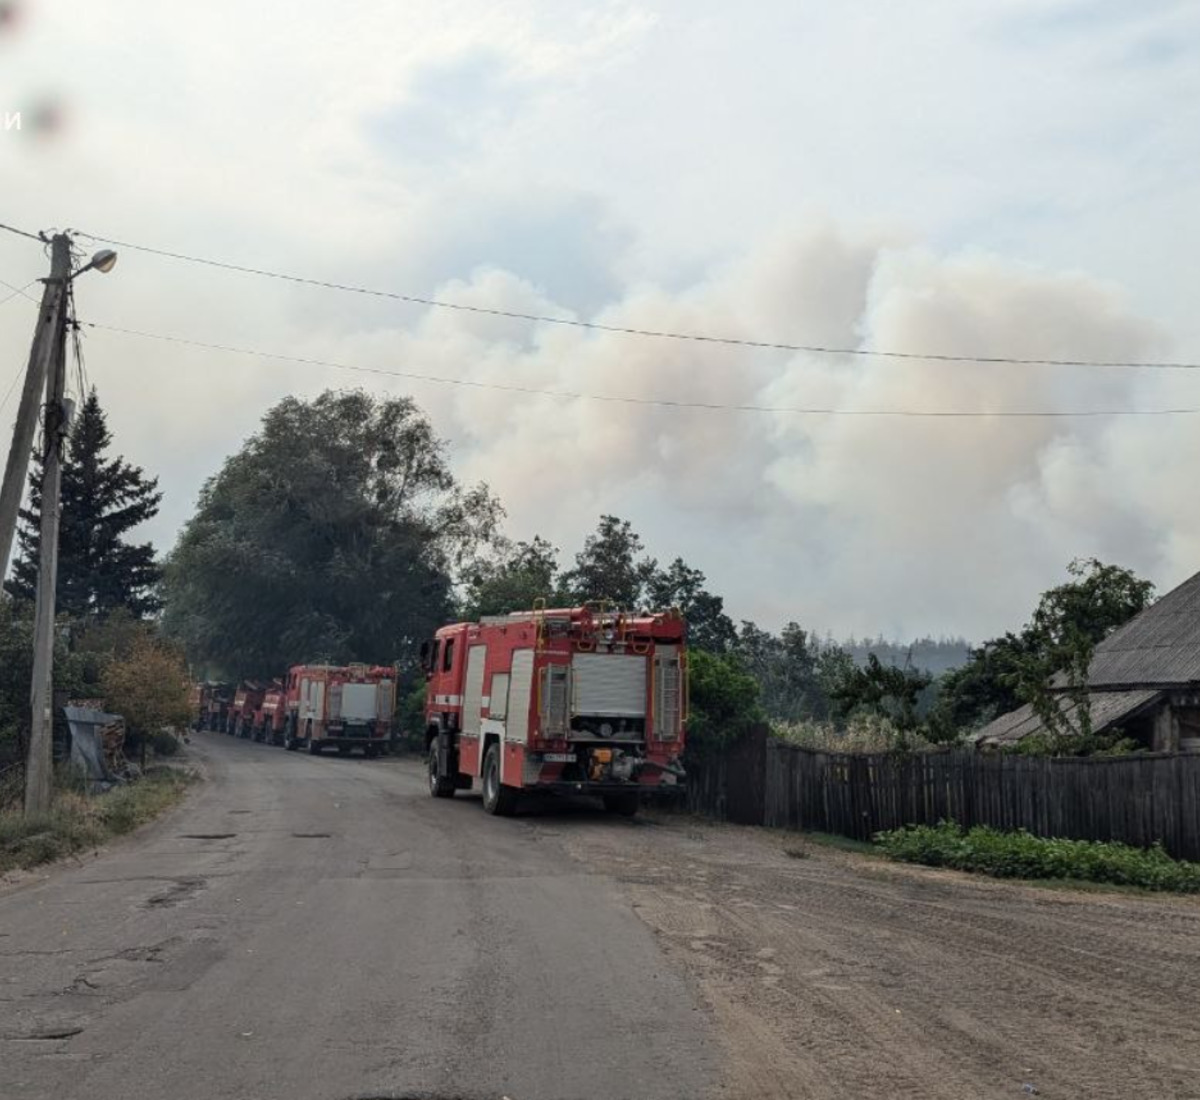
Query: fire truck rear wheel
x,y
626,805
497,798
314,747
438,786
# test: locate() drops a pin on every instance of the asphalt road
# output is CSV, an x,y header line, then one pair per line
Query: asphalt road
x,y
320,928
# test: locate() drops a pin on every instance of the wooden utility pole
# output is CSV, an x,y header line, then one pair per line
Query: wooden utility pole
x,y
44,340
41,733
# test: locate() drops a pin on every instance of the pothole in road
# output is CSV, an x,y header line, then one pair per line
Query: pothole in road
x,y
49,1035
312,836
207,836
241,811
180,890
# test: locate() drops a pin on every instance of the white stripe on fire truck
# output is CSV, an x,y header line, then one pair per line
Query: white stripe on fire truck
x,y
449,700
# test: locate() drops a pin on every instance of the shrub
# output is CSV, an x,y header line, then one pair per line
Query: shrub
x,y
164,743
76,822
1021,855
862,733
723,698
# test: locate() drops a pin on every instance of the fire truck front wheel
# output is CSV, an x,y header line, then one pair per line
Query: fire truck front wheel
x,y
497,798
439,786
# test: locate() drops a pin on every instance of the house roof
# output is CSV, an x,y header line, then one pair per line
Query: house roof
x,y
1108,708
1158,646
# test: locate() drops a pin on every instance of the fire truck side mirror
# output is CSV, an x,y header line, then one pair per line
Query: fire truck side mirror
x,y
426,647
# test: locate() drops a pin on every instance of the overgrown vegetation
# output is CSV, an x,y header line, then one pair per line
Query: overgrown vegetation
x,y
77,822
863,733
1020,855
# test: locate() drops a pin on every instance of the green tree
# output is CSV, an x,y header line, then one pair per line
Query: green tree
x,y
609,566
1069,621
149,687
517,575
1045,663
681,586
16,675
795,671
884,690
103,499
334,534
723,698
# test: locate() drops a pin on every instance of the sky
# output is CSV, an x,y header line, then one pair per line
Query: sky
x,y
1011,178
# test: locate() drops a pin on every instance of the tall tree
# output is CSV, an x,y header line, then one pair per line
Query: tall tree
x,y
334,534
517,575
103,499
1069,621
609,566
1057,642
681,586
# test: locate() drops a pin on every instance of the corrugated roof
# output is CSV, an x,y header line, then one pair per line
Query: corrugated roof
x,y
1158,646
1107,707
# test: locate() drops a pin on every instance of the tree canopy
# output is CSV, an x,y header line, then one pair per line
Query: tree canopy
x,y
333,534
1068,622
102,500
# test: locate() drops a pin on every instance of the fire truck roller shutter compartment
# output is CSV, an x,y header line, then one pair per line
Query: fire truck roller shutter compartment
x,y
473,690
609,685
358,703
520,696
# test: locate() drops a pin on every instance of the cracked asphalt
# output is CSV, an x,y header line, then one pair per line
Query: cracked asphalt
x,y
321,928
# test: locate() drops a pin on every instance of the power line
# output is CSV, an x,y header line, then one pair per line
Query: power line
x,y
660,402
23,233
660,334
17,290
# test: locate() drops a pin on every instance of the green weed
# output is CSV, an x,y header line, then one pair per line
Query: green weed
x,y
1021,855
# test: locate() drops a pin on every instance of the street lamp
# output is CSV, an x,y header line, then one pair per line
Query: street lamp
x,y
104,261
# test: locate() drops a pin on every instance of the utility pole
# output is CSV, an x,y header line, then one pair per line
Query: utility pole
x,y
44,338
41,732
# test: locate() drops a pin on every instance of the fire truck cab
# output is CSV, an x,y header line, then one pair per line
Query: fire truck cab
x,y
570,701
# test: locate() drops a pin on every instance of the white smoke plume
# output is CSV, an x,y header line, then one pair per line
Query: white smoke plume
x,y
842,522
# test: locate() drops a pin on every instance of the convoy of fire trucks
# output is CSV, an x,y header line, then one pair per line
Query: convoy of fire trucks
x,y
583,701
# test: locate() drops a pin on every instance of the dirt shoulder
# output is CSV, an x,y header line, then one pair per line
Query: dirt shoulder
x,y
837,975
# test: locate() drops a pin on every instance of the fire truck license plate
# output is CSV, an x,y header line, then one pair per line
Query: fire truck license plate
x,y
559,757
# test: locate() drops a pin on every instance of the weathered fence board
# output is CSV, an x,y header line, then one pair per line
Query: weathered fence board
x,y
1139,799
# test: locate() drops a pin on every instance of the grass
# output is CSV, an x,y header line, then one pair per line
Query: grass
x,y
1020,855
862,734
77,822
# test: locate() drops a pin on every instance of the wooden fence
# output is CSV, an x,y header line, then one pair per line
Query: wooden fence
x,y
1135,799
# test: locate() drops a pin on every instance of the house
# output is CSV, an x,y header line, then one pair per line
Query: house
x,y
1144,679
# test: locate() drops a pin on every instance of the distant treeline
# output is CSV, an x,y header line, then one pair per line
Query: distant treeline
x,y
933,655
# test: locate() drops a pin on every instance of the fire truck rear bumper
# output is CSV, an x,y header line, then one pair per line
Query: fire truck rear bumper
x,y
649,792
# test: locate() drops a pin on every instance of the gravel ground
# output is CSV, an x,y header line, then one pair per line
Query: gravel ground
x,y
831,974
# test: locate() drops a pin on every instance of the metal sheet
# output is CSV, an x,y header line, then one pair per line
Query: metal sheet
x,y
609,685
359,702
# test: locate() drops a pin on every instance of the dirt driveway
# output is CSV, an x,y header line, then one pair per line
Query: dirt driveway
x,y
831,974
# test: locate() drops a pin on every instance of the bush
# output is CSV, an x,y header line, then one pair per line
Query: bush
x,y
723,698
165,744
862,733
1021,855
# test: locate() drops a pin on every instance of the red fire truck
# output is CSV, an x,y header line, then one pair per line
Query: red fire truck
x,y
577,700
346,707
239,719
271,718
213,700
